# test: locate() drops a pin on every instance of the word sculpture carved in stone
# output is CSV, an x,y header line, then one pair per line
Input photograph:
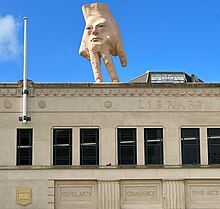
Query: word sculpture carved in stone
x,y
101,39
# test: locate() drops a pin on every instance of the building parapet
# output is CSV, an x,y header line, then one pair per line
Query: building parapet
x,y
122,89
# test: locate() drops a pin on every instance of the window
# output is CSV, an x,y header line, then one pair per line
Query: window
x,y
89,146
127,153
62,146
24,146
168,77
214,145
190,146
153,138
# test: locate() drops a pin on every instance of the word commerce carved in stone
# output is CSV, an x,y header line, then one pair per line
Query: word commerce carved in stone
x,y
141,194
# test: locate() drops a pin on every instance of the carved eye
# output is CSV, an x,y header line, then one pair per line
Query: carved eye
x,y
101,26
88,28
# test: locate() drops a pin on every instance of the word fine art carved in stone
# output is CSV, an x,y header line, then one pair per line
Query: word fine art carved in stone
x,y
101,39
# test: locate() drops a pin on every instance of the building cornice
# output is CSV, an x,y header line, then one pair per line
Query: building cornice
x,y
121,89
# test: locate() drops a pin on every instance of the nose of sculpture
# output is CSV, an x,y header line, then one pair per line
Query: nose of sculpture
x,y
94,31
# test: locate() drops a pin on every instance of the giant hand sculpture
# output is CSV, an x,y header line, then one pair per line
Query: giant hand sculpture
x,y
101,39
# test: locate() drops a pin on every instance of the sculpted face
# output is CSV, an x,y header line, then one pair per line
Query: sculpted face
x,y
98,30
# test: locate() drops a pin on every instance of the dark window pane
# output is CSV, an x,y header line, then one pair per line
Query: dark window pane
x,y
62,146
214,145
127,146
24,146
214,154
88,160
214,141
24,162
89,146
190,146
190,151
153,145
127,151
62,136
154,160
24,152
214,132
24,137
154,149
190,133
62,162
127,161
127,135
89,135
89,151
63,152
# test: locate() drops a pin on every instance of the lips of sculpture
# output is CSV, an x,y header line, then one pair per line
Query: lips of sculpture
x,y
95,39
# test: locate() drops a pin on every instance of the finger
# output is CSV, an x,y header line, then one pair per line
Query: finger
x,y
107,59
96,67
121,53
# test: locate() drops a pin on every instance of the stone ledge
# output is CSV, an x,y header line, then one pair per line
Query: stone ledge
x,y
111,85
110,167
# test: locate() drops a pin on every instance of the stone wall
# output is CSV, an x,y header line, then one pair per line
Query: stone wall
x,y
108,107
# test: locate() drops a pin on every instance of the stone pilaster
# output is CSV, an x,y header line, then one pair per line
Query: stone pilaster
x,y
51,195
108,195
204,146
173,194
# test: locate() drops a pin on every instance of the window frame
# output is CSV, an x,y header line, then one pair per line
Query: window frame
x,y
82,147
19,147
161,146
134,146
70,146
210,160
184,146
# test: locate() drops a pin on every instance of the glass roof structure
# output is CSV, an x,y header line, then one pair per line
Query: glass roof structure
x,y
166,77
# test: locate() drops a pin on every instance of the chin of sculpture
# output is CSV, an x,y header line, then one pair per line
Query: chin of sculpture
x,y
101,39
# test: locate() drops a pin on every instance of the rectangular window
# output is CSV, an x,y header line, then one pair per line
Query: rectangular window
x,y
214,145
153,138
89,146
24,146
62,146
127,153
190,146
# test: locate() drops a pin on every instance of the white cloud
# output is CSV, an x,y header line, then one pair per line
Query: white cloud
x,y
9,47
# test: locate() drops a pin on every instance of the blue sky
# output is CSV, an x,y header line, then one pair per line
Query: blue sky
x,y
161,35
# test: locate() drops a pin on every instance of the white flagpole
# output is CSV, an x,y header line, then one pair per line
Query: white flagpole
x,y
25,90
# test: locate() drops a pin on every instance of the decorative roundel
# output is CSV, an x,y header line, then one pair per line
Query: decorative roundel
x,y
108,104
42,104
7,104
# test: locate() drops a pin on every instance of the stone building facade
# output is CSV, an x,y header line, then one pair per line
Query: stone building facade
x,y
110,146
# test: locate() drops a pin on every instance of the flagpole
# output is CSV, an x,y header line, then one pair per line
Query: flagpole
x,y
25,91
24,117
